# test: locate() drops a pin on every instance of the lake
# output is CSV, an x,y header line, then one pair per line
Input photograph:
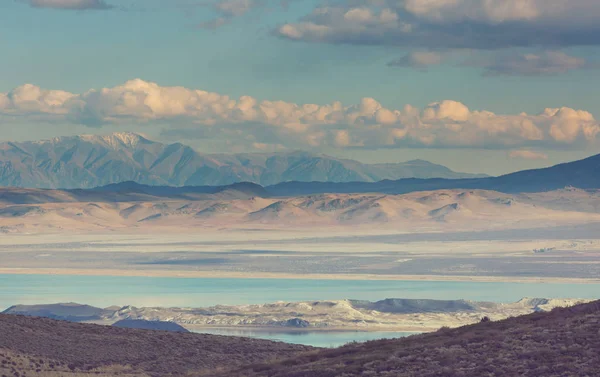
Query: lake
x,y
197,292
105,291
315,338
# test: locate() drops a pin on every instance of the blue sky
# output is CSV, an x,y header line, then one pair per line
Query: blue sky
x,y
312,52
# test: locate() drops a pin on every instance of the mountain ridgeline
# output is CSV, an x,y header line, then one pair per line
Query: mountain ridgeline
x,y
582,174
89,161
127,162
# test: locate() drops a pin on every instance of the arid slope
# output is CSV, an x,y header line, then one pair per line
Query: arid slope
x,y
157,353
563,342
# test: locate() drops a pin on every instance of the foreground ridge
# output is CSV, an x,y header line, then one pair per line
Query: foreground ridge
x,y
74,348
563,342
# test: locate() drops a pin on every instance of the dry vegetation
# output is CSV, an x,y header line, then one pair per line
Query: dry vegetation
x,y
564,342
13,364
79,349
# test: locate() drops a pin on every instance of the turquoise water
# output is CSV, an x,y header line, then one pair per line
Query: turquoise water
x,y
104,291
196,292
315,339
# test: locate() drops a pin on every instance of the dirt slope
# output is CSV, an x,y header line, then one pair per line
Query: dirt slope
x,y
156,353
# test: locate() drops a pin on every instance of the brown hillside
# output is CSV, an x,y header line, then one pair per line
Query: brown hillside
x,y
564,342
82,347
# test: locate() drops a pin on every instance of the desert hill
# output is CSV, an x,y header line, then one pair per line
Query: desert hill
x,y
247,206
130,192
389,314
64,311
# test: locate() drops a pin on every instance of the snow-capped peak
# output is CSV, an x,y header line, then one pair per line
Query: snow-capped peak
x,y
129,139
115,140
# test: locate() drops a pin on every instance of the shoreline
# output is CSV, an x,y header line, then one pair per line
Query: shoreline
x,y
290,276
304,330
198,328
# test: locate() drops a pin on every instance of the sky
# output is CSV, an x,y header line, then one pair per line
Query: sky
x,y
487,86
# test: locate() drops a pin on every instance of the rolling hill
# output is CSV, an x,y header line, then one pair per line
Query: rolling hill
x,y
131,192
246,206
89,161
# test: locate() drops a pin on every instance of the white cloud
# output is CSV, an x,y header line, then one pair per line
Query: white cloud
x,y
477,24
31,99
69,4
528,155
248,121
447,110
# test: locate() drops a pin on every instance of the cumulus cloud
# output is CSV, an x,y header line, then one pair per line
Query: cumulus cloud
x,y
419,59
540,64
528,155
246,120
69,4
475,24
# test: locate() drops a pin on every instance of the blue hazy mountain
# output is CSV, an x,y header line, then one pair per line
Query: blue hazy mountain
x,y
89,161
583,174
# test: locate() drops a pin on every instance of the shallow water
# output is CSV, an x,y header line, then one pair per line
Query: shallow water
x,y
315,339
104,291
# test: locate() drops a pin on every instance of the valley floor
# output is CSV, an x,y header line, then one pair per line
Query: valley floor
x,y
560,254
276,276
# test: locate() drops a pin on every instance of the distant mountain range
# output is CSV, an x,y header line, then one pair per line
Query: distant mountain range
x,y
390,313
582,174
128,162
89,161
